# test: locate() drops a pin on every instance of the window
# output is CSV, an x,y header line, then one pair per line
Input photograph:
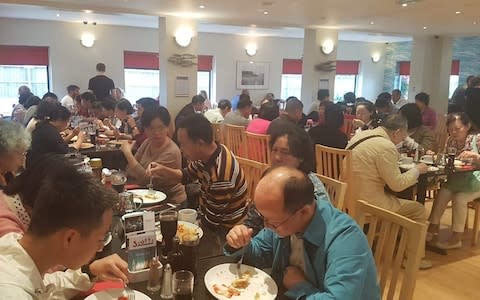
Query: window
x,y
345,78
402,77
204,76
291,78
142,75
454,78
21,65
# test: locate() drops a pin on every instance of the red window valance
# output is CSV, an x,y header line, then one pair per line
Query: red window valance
x,y
24,55
140,60
292,66
347,67
205,63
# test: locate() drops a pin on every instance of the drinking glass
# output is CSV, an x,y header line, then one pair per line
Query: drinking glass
x,y
451,151
182,285
168,227
118,180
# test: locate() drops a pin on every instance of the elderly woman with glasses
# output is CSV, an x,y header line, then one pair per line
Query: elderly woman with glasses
x,y
14,142
291,147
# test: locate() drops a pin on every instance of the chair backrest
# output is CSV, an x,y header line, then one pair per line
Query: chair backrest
x,y
235,140
258,147
348,127
253,171
218,133
393,238
334,163
441,133
336,190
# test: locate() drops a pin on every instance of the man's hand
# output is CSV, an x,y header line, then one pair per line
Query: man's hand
x,y
81,137
292,277
165,174
239,236
422,168
126,147
110,268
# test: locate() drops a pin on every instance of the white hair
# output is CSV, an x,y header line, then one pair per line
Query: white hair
x,y
13,136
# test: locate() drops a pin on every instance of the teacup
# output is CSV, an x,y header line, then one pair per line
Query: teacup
x,y
406,160
427,159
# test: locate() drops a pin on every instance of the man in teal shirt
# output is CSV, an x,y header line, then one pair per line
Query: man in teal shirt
x,y
314,250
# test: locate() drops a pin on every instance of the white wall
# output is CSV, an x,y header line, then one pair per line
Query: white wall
x,y
71,63
370,79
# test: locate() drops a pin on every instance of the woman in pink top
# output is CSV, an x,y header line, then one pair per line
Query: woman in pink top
x,y
268,112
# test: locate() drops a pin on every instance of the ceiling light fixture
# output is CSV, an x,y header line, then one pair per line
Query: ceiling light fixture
x,y
474,22
202,6
58,15
183,36
87,40
88,11
405,4
376,57
458,12
425,27
265,12
327,47
251,49
371,22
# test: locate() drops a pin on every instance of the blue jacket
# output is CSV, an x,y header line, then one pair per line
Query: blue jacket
x,y
338,261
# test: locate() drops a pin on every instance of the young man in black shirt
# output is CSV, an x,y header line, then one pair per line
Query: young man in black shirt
x,y
101,84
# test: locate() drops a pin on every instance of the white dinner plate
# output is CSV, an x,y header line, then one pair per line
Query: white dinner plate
x,y
113,294
86,145
427,162
433,169
143,193
182,227
260,282
407,166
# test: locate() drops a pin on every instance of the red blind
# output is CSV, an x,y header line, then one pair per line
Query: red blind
x,y
140,60
347,67
205,63
292,66
404,67
23,55
455,67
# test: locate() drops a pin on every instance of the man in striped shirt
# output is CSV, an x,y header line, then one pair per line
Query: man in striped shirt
x,y
223,199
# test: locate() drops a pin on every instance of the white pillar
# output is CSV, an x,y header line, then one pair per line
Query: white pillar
x,y
312,79
168,26
430,70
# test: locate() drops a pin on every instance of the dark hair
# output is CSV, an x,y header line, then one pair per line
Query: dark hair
x,y
108,104
153,113
100,67
394,122
125,106
368,105
472,105
412,113
50,95
198,128
383,100
23,98
48,111
269,111
198,99
78,99
88,96
333,116
31,101
72,88
461,116
147,102
470,77
397,91
224,103
299,144
349,97
244,101
423,97
322,93
475,81
298,189
293,104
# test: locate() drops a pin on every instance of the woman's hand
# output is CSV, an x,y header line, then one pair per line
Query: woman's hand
x,y
357,123
126,147
466,155
131,122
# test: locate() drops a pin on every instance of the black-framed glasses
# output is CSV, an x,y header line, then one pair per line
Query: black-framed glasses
x,y
275,226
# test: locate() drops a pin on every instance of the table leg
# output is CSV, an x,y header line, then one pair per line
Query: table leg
x,y
422,189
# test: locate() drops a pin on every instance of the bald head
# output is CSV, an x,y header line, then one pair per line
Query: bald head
x,y
286,188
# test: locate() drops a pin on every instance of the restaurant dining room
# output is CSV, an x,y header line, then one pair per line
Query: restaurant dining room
x,y
243,150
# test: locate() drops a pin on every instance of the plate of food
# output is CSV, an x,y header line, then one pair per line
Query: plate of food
x,y
184,229
116,294
224,283
148,198
432,169
86,145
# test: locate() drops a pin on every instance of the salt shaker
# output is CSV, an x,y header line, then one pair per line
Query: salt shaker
x,y
166,292
153,284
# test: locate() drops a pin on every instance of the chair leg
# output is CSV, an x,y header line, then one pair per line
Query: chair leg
x,y
466,219
476,224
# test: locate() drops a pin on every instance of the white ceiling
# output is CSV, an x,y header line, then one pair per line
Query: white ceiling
x,y
287,18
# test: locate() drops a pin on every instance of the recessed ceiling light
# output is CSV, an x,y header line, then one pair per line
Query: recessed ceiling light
x,y
58,15
425,27
87,11
202,6
458,12
371,22
474,22
405,4
265,12
253,25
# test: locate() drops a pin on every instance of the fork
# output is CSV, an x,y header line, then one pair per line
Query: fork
x,y
130,293
239,264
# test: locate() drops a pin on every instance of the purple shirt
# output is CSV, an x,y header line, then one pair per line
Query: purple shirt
x,y
429,118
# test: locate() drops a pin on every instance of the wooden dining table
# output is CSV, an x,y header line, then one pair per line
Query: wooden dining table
x,y
111,155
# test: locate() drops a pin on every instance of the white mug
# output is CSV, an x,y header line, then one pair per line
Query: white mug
x,y
187,215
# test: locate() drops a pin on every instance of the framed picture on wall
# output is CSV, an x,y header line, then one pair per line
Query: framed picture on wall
x,y
252,75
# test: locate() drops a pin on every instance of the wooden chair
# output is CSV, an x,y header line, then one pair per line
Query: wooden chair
x,y
258,147
475,205
441,133
218,133
235,140
336,190
393,238
336,164
253,171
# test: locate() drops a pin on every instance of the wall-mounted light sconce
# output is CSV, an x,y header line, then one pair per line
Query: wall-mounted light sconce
x,y
327,47
87,40
376,57
183,36
251,49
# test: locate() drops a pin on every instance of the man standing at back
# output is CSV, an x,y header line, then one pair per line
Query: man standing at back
x,y
101,85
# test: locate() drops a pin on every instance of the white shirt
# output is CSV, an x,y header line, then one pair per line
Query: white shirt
x,y
67,101
297,257
20,278
214,115
401,102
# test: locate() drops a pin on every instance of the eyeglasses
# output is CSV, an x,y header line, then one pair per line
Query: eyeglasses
x,y
275,226
281,152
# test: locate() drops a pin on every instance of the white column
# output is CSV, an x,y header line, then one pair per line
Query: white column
x,y
168,27
430,70
312,56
